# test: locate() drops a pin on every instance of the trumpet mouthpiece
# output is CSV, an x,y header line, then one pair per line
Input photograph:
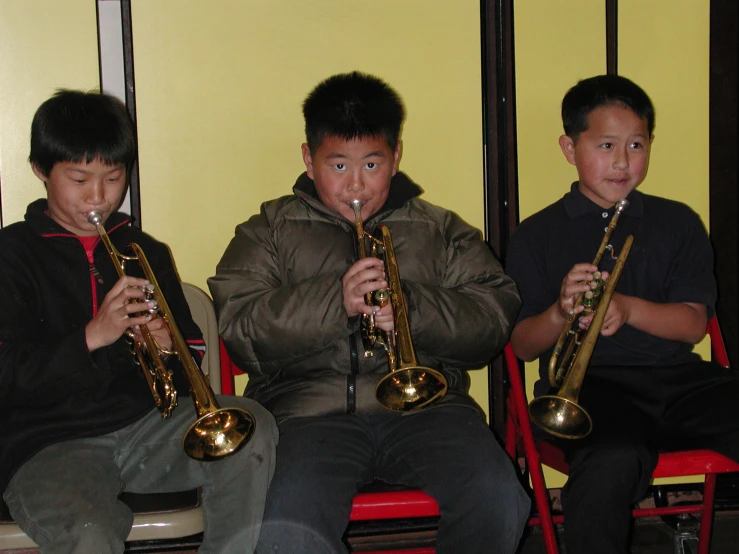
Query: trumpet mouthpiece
x,y
357,207
621,205
95,217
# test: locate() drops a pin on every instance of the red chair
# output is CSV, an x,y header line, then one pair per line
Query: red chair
x,y
671,464
367,506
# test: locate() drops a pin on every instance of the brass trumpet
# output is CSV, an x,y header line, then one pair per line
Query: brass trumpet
x,y
408,386
218,431
560,414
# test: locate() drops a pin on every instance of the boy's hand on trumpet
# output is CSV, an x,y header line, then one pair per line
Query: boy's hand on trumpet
x,y
365,276
158,330
118,313
577,281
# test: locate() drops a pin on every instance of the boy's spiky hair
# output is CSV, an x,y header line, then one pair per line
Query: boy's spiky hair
x,y
603,90
76,126
352,105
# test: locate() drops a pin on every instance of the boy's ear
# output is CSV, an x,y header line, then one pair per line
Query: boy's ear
x,y
307,159
397,155
38,173
568,148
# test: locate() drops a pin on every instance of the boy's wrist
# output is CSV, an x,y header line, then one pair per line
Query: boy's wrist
x,y
557,317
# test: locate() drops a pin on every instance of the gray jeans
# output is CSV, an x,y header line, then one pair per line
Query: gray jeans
x,y
66,496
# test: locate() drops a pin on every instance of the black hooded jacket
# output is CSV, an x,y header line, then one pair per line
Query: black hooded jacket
x,y
51,387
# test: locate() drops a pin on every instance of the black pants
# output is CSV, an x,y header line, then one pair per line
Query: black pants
x,y
447,451
636,413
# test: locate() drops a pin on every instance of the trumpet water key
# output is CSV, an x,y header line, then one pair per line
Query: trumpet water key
x,y
218,431
560,414
408,386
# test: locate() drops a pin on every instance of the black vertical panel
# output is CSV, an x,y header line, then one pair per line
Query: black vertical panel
x,y
501,179
612,37
135,191
723,200
1,198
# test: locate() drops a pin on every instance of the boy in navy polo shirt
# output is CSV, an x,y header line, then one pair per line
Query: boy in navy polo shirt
x,y
78,424
645,388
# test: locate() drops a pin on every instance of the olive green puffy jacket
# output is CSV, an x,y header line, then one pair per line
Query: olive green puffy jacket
x,y
278,296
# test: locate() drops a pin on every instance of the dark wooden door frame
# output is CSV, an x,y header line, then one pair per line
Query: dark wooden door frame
x,y
723,150
500,156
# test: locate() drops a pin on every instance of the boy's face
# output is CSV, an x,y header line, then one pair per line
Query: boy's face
x,y
611,156
346,170
76,188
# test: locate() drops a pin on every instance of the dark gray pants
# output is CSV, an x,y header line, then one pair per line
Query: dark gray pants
x,y
446,451
636,413
65,497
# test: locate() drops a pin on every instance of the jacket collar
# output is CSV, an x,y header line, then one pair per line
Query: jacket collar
x,y
577,204
38,219
402,190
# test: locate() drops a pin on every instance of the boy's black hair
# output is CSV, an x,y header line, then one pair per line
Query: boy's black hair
x,y
603,90
76,126
352,105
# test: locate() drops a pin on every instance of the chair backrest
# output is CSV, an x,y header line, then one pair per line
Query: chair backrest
x,y
203,313
718,348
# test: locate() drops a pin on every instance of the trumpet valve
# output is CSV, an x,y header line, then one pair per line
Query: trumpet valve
x,y
380,298
149,296
589,301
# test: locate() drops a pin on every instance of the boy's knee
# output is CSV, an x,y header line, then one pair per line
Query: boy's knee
x,y
613,471
91,536
265,435
498,495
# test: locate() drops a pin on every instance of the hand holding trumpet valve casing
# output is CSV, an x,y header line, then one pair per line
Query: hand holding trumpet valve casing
x,y
560,414
408,386
218,432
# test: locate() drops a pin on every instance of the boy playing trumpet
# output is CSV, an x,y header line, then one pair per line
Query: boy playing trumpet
x,y
77,421
645,388
290,292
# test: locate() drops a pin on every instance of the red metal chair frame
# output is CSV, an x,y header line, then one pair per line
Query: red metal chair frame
x,y
671,464
367,506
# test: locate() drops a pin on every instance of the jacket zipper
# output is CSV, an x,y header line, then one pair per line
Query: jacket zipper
x,y
351,384
95,278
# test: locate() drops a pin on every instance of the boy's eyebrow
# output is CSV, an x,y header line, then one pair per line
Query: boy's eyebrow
x,y
377,153
612,136
337,155
85,171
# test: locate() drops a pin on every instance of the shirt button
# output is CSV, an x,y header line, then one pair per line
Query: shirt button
x,y
605,214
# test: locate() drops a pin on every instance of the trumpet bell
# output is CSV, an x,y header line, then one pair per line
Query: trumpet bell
x,y
218,434
560,417
410,388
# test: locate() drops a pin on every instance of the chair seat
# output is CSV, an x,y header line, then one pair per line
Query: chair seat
x,y
693,462
706,463
670,464
393,505
156,517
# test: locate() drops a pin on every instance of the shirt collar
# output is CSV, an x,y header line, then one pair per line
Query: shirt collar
x,y
577,204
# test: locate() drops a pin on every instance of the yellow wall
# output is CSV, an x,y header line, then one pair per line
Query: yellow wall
x,y
662,46
43,46
219,93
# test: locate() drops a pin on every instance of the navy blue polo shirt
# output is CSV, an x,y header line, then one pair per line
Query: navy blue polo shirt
x,y
671,260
